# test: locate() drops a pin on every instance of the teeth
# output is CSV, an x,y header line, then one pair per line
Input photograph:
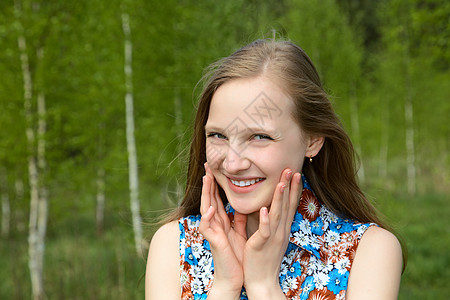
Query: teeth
x,y
245,182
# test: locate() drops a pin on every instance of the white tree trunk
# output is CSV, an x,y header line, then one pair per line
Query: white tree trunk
x,y
6,208
131,144
33,236
42,165
410,152
100,180
409,118
37,211
6,214
100,211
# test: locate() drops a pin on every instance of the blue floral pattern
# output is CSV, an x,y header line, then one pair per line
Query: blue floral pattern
x,y
316,264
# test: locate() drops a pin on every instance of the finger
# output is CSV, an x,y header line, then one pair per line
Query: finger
x,y
205,201
221,214
216,200
262,235
294,196
276,206
264,223
205,221
285,199
211,176
211,188
286,177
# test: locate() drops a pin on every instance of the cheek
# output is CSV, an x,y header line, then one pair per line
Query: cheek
x,y
272,164
294,156
276,160
214,155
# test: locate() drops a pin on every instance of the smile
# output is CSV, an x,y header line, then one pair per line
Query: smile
x,y
242,183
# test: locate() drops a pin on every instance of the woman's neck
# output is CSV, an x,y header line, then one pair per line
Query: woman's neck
x,y
252,223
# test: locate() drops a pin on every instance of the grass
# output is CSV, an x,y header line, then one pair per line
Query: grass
x,y
82,265
77,266
423,222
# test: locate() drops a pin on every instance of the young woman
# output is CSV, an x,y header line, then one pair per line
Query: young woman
x,y
272,209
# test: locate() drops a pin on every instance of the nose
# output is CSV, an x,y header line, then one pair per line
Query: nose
x,y
235,160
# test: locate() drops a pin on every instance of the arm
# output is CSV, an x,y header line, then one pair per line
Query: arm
x,y
377,266
162,278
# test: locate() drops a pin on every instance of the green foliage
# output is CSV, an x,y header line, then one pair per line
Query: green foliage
x,y
370,55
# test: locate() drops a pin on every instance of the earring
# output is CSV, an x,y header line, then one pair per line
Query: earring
x,y
310,159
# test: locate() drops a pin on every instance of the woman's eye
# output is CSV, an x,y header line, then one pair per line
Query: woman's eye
x,y
216,135
262,137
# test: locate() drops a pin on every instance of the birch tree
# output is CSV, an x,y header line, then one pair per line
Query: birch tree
x,y
35,256
42,166
100,199
409,126
401,47
36,162
6,207
409,116
131,144
100,181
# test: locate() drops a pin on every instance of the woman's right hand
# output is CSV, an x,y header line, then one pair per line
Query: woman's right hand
x,y
227,241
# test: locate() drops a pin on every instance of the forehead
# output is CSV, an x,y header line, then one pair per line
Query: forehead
x,y
256,102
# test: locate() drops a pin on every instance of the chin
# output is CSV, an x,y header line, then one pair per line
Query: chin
x,y
242,206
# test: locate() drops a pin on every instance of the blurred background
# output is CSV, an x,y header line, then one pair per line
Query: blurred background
x,y
83,178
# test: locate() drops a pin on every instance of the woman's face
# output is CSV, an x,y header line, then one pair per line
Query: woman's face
x,y
251,138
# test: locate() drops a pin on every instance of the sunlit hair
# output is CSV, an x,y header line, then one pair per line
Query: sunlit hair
x,y
332,175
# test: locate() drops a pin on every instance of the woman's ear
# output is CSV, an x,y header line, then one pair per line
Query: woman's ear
x,y
314,146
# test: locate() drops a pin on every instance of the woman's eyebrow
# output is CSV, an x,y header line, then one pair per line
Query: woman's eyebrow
x,y
241,128
209,127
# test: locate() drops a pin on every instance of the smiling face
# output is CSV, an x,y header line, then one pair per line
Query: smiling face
x,y
251,137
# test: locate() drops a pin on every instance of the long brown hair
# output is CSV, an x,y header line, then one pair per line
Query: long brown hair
x,y
332,174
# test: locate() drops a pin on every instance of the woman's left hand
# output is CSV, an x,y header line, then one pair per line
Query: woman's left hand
x,y
265,249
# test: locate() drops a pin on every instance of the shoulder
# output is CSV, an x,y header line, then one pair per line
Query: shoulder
x,y
379,243
166,236
162,274
377,266
170,229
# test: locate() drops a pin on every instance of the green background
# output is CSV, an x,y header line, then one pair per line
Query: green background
x,y
373,57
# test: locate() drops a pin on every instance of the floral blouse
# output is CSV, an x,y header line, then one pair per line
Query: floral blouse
x,y
316,264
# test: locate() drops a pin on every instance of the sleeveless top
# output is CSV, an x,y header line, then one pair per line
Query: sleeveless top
x,y
316,264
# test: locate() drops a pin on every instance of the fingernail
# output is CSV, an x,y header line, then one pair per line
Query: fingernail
x,y
288,175
282,188
203,178
264,211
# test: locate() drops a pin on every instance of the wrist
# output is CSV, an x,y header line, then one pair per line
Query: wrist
x,y
223,291
264,291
